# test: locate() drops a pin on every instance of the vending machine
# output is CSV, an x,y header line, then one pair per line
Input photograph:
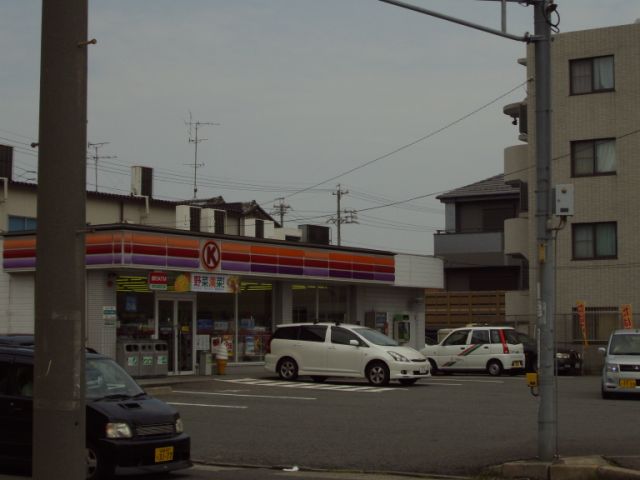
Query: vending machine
x,y
378,321
402,327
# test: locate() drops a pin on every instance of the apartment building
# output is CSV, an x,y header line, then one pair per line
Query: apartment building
x,y
476,270
596,149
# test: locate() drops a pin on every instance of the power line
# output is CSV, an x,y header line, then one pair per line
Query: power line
x,y
414,142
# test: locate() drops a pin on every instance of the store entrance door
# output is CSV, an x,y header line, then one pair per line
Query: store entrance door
x,y
176,325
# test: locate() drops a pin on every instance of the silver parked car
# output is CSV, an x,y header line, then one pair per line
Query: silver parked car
x,y
621,372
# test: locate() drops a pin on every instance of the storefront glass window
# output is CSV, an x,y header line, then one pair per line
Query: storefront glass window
x,y
324,303
135,307
254,320
216,318
304,300
333,303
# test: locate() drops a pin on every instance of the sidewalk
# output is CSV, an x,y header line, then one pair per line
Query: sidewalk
x,y
594,467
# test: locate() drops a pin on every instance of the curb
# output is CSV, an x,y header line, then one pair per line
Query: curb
x,y
570,468
611,472
345,472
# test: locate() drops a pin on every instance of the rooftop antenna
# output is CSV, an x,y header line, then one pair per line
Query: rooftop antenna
x,y
97,157
193,138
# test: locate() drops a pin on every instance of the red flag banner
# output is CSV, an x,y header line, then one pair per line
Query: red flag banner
x,y
627,316
582,318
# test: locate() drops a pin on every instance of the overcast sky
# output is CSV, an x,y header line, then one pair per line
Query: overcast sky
x,y
301,91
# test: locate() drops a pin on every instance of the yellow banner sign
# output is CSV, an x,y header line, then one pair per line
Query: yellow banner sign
x,y
627,316
582,318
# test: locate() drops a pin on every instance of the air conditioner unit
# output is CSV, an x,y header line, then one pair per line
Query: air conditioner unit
x,y
142,181
318,234
183,217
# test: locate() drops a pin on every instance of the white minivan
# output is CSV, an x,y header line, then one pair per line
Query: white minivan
x,y
323,350
621,371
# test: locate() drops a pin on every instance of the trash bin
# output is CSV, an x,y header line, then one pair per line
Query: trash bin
x,y
204,363
161,357
147,358
128,356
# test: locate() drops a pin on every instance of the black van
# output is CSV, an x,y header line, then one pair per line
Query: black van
x,y
128,431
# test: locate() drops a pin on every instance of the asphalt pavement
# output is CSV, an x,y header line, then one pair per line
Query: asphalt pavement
x,y
611,467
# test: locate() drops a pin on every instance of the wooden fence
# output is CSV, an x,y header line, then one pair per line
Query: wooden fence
x,y
455,309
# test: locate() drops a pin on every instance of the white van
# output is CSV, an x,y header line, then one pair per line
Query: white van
x,y
492,349
323,350
621,372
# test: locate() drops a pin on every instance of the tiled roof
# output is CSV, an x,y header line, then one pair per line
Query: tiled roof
x,y
241,208
493,186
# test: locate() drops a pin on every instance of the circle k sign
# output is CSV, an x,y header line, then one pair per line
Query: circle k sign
x,y
210,255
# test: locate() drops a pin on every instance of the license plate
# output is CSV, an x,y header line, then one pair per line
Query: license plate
x,y
423,370
627,383
517,363
164,454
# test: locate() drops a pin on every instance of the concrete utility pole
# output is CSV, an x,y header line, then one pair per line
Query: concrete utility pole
x,y
338,193
195,140
97,157
547,421
280,209
59,371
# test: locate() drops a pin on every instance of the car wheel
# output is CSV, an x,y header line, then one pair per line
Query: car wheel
x,y
434,367
318,378
408,381
494,367
378,374
96,468
288,369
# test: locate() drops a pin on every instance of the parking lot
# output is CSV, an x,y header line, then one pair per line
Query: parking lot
x,y
455,424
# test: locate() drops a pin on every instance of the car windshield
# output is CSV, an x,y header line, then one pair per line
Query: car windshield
x,y
625,344
106,379
376,337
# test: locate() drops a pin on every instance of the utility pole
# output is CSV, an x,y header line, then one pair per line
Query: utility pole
x,y
547,419
193,128
97,157
59,449
350,216
338,193
280,209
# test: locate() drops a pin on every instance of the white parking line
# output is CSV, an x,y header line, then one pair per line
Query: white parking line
x,y
467,380
309,386
189,392
439,384
207,405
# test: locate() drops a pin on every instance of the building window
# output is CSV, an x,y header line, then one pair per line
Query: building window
x,y
493,218
594,240
219,219
20,224
259,228
589,75
593,157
